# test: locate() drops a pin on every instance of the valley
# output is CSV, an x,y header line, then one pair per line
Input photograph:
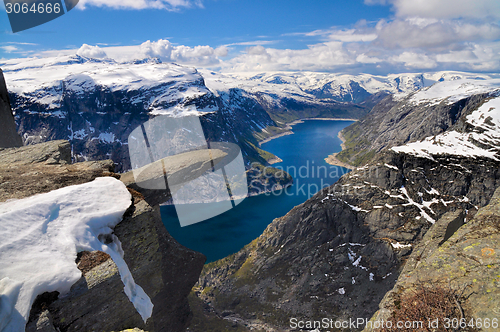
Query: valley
x,y
424,159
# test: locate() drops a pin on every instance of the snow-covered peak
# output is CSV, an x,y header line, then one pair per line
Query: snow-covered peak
x,y
454,90
158,86
340,87
45,80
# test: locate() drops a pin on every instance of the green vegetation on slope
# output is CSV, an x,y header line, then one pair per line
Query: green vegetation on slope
x,y
356,150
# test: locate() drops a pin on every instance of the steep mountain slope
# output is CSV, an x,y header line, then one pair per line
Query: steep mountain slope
x,y
337,254
398,120
464,262
95,104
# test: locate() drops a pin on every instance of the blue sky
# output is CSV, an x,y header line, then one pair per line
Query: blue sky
x,y
378,36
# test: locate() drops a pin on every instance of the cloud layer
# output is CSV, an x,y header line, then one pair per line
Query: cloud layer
x,y
423,35
171,5
401,44
197,56
91,52
442,9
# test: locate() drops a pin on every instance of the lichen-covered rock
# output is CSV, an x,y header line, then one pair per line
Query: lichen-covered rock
x,y
467,262
44,167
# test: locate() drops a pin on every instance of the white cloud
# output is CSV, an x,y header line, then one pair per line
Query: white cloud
x,y
443,9
363,58
9,48
198,55
171,5
352,35
415,60
91,52
437,53
221,51
346,35
411,33
19,43
323,56
252,43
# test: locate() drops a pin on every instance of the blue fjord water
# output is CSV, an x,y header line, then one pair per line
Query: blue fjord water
x,y
303,155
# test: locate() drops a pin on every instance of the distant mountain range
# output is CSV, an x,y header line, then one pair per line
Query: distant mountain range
x,y
96,103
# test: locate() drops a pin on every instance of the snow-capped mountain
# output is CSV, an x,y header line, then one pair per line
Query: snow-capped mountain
x,y
96,103
313,86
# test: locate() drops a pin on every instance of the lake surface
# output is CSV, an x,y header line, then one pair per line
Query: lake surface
x,y
303,155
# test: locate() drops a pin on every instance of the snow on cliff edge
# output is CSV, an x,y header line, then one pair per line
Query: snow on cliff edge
x,y
41,235
481,140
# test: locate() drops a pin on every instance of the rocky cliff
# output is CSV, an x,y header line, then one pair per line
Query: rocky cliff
x,y
461,257
336,255
399,120
9,137
162,267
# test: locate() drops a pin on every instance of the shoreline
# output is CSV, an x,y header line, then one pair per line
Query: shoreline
x,y
288,126
332,159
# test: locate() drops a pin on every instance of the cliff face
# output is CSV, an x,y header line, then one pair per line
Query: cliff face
x,y
462,259
9,137
162,267
337,254
399,120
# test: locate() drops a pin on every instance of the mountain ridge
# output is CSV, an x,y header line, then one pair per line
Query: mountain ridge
x,y
337,254
93,102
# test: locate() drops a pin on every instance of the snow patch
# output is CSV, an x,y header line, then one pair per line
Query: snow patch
x,y
452,91
391,166
106,137
40,237
482,141
398,245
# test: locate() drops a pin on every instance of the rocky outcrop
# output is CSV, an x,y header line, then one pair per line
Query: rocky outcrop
x,y
464,259
8,137
97,302
394,122
40,168
171,171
